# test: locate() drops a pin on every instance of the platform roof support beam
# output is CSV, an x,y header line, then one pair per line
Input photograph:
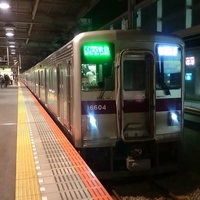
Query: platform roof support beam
x,y
139,20
8,58
188,16
131,4
19,64
159,15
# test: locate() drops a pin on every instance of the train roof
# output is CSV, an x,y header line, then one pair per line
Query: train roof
x,y
136,35
116,35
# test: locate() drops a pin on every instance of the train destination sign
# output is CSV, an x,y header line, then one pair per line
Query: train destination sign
x,y
167,50
96,50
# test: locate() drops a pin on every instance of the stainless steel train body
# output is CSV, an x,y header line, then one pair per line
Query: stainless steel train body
x,y
118,91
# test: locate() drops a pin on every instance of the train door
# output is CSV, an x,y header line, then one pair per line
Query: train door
x,y
45,86
38,84
34,82
69,95
135,98
60,91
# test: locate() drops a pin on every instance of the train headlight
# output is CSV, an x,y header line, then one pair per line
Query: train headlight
x,y
91,123
173,118
92,120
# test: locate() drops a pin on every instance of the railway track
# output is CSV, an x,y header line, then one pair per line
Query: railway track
x,y
150,189
116,196
167,191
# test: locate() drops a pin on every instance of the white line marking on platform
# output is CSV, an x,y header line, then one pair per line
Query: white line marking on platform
x,y
41,181
42,189
7,124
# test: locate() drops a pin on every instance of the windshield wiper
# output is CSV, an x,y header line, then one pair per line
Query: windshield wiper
x,y
165,88
105,88
161,81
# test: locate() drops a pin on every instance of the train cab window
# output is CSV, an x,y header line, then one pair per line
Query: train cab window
x,y
168,68
134,73
97,77
97,66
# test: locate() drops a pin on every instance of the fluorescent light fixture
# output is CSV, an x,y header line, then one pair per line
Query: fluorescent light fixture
x,y
9,29
12,46
4,6
9,34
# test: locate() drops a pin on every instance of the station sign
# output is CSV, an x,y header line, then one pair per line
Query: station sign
x,y
190,61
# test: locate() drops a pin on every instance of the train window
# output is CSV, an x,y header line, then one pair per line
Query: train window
x,y
97,66
97,77
168,68
134,73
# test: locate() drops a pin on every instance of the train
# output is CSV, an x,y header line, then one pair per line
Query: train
x,y
118,95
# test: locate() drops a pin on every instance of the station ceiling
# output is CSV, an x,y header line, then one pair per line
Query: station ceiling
x,y
43,26
40,26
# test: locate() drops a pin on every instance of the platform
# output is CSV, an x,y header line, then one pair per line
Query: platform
x,y
192,105
37,161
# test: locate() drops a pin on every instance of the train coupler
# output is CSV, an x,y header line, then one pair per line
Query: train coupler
x,y
138,165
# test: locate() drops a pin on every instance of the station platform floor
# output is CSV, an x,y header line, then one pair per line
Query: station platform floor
x,y
37,162
190,105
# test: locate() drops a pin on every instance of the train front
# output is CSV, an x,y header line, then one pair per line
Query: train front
x,y
132,104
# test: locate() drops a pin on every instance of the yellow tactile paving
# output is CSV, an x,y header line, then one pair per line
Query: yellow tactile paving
x,y
27,186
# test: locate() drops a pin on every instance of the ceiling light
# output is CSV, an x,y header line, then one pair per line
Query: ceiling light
x,y
4,6
12,52
12,46
9,34
9,28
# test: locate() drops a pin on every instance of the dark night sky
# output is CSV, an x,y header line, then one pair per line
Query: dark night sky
x,y
105,11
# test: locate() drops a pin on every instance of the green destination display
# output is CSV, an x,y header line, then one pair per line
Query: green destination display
x,y
96,50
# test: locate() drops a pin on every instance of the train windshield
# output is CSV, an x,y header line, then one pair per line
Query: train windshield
x,y
168,68
134,71
97,67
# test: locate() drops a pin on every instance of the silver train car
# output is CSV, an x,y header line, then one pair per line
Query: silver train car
x,y
118,94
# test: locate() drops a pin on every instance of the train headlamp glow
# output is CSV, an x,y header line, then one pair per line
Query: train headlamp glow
x,y
92,120
164,50
92,123
173,118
